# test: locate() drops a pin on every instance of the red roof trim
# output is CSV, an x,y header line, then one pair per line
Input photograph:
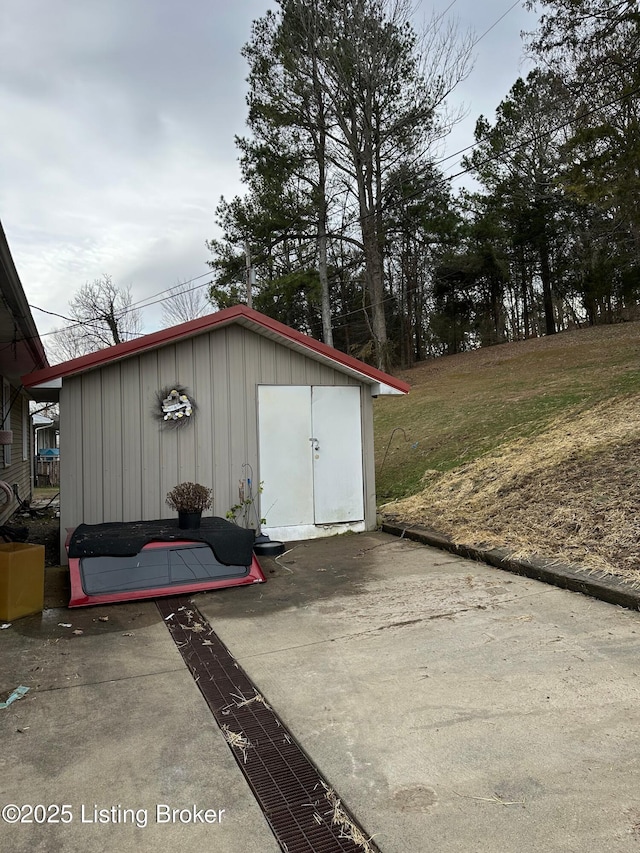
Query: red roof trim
x,y
200,325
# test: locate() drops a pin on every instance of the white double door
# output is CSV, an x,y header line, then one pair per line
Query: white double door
x,y
310,446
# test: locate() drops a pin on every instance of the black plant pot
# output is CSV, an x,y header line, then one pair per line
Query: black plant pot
x,y
189,520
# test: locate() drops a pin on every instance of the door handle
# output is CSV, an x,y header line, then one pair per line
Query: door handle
x,y
316,446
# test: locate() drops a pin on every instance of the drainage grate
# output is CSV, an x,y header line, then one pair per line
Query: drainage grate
x,y
303,811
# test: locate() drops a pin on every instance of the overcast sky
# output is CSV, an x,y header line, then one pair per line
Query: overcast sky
x,y
118,123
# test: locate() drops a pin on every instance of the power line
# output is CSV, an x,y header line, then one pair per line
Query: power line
x,y
495,23
530,140
431,164
149,301
167,298
509,150
437,20
168,290
154,298
350,211
146,303
545,133
142,303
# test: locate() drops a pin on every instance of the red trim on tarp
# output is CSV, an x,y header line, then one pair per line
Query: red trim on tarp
x,y
79,598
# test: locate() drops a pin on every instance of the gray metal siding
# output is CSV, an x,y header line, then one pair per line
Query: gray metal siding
x,y
132,412
170,439
93,451
149,441
112,467
118,464
221,421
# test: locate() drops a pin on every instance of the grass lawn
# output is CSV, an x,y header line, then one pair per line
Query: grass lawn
x,y
485,437
45,492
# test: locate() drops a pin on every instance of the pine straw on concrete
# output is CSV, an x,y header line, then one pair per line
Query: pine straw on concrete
x,y
571,493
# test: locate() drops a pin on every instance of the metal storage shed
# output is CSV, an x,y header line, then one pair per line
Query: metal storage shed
x,y
269,401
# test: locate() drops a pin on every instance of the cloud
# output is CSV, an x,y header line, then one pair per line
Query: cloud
x,y
119,120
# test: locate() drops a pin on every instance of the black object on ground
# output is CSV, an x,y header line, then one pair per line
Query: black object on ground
x,y
14,534
264,547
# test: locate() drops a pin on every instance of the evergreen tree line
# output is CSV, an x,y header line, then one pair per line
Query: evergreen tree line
x,y
350,229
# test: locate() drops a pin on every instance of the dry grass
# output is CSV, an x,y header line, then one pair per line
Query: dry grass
x,y
347,827
237,740
464,406
571,492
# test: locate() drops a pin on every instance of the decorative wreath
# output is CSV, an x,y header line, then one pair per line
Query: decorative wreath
x,y
175,406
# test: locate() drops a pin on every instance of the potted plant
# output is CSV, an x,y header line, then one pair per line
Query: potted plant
x,y
189,500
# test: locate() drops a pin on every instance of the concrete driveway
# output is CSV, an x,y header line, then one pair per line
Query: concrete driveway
x,y
452,706
455,707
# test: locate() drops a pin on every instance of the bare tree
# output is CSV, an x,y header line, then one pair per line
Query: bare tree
x,y
100,315
66,343
47,410
185,302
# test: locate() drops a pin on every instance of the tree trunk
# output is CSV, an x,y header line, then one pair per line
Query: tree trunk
x,y
320,145
524,283
327,331
374,277
547,292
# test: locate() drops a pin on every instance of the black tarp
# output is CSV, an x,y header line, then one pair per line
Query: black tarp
x,y
231,544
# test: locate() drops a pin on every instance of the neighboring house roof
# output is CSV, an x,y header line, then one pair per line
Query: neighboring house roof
x,y
41,420
381,383
21,349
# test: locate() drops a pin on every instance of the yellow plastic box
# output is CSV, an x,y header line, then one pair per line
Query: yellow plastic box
x,y
21,580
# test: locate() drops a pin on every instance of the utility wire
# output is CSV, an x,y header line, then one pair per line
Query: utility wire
x,y
570,121
431,164
142,303
498,155
145,303
543,134
495,23
352,210
153,300
74,323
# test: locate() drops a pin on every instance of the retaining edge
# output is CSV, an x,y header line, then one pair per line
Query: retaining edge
x,y
596,584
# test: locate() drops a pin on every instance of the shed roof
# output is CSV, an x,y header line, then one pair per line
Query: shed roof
x,y
50,378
